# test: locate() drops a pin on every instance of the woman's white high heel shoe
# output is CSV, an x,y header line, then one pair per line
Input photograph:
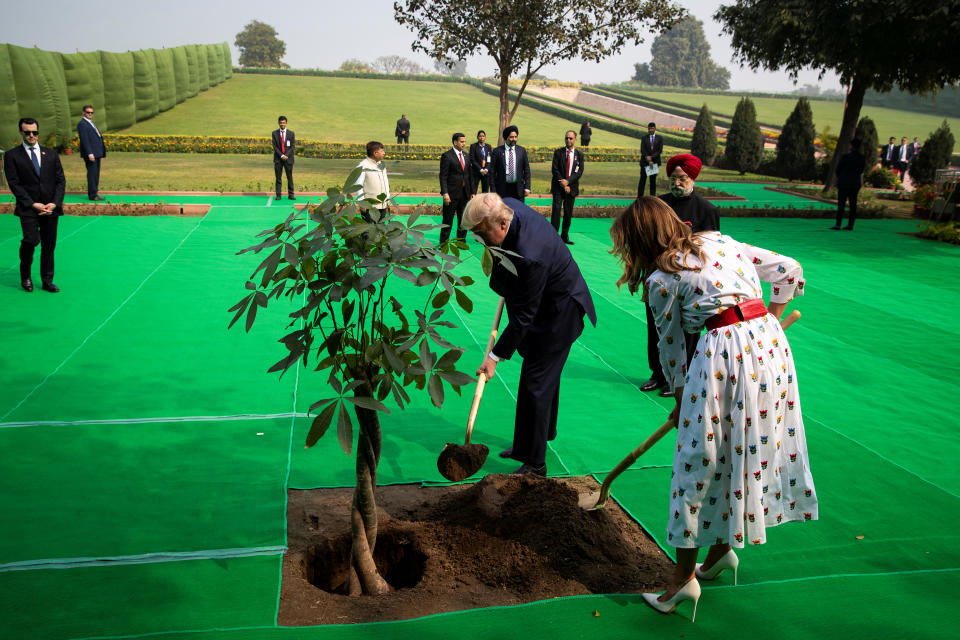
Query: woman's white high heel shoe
x,y
689,591
728,561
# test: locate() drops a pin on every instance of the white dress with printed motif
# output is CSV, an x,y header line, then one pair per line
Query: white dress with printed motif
x,y
741,461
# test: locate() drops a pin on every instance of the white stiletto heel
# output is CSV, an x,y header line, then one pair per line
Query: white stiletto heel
x,y
689,591
728,561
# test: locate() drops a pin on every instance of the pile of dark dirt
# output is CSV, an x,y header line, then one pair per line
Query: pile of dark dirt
x,y
506,540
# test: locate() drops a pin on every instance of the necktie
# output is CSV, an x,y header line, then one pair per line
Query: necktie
x,y
35,159
569,163
283,141
460,158
510,168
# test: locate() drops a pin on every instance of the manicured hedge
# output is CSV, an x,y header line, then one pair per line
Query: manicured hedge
x,y
118,88
84,85
166,79
193,69
327,150
215,64
145,83
181,74
41,89
227,61
9,111
203,67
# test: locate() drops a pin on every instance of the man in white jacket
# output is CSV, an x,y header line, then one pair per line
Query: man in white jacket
x,y
373,179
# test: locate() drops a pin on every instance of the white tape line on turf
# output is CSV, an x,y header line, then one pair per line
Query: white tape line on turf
x,y
61,240
104,323
161,419
146,558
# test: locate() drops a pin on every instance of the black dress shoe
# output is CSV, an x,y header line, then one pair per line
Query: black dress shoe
x,y
665,393
506,453
532,469
567,240
652,385
49,286
835,227
291,197
27,285
98,198
848,228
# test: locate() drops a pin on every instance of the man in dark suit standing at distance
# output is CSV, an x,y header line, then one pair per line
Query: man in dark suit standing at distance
x,y
651,146
510,168
888,154
546,301
454,186
479,159
849,180
35,177
283,143
403,130
92,150
904,156
586,132
566,171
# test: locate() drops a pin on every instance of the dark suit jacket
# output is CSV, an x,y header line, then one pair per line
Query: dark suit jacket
x,y
90,140
559,170
548,286
585,133
476,158
291,139
850,170
454,179
654,150
498,169
899,149
403,127
883,155
27,187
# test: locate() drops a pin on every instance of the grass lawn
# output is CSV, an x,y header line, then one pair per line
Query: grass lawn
x,y
356,110
212,172
890,122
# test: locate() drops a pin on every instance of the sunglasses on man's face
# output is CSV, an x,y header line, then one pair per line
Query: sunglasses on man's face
x,y
88,113
28,133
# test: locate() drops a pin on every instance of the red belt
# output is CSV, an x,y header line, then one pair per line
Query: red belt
x,y
746,310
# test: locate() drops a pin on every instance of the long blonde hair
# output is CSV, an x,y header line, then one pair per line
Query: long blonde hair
x,y
648,236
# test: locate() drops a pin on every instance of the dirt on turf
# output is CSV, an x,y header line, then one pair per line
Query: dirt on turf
x,y
508,539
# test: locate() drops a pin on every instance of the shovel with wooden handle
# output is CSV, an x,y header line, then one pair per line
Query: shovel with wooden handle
x,y
597,500
458,462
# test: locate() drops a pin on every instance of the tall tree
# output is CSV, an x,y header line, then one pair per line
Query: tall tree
x,y
704,143
522,36
744,139
681,58
396,64
259,46
449,67
869,143
934,154
853,38
795,151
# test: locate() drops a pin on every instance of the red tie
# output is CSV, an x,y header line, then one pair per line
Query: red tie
x,y
283,142
460,157
569,162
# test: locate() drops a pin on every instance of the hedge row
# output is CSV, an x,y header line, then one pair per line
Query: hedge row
x,y
123,88
423,77
326,150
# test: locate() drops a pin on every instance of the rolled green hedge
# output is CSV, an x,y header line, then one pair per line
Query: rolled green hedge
x,y
181,73
193,69
145,83
41,90
227,61
215,64
118,89
9,111
203,67
166,79
84,86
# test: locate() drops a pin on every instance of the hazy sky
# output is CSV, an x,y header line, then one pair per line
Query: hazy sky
x,y
318,33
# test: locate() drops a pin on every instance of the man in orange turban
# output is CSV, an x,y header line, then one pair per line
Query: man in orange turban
x,y
700,214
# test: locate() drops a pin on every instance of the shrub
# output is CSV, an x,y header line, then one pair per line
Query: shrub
x,y
934,154
870,144
795,152
744,140
882,178
704,143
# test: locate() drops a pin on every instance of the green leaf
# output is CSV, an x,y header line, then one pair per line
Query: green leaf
x,y
465,303
240,307
346,309
395,363
455,378
440,299
438,340
448,359
290,255
251,316
426,277
320,425
345,429
368,403
486,262
427,358
435,387
405,274
319,403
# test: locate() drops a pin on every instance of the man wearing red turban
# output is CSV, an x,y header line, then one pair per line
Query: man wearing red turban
x,y
700,214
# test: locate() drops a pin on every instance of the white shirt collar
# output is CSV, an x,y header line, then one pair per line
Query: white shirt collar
x,y
29,147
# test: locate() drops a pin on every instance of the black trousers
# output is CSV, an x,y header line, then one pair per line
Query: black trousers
x,y
93,177
455,207
403,139
653,354
483,181
40,230
279,166
564,199
846,194
643,181
513,190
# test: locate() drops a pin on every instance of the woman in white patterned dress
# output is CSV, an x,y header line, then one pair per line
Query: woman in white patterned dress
x,y
741,462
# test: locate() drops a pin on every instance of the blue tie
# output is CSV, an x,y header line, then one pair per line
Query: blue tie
x,y
36,160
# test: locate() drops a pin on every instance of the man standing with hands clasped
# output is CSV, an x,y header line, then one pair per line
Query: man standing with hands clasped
x,y
454,186
567,169
651,146
479,159
92,150
283,141
510,167
36,179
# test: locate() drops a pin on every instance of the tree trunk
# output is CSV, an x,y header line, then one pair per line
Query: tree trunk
x,y
364,577
851,115
505,117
